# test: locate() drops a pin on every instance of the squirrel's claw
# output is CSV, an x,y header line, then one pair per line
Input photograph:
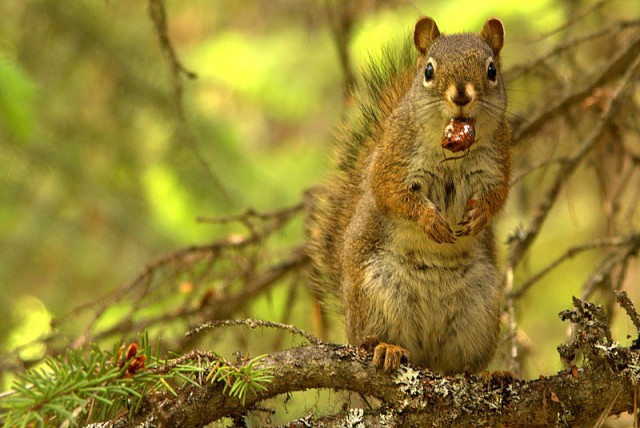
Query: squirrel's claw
x,y
385,355
473,221
443,236
439,230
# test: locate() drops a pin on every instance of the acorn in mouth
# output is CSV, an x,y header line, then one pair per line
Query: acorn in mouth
x,y
459,134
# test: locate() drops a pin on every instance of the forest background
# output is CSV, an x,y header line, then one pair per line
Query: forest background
x,y
111,155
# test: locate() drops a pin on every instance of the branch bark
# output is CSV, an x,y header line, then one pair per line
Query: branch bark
x,y
605,385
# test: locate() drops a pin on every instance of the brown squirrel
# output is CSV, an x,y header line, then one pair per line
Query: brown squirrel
x,y
403,232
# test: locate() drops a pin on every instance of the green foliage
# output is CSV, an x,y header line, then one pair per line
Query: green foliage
x,y
74,387
240,381
30,320
16,95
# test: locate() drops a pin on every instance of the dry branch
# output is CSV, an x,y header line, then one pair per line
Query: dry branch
x,y
527,237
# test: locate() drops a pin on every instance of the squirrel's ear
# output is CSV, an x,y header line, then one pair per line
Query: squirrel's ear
x,y
493,34
425,33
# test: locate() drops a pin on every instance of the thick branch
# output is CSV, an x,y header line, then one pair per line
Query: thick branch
x,y
576,397
298,369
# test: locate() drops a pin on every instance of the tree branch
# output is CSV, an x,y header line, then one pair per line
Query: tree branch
x,y
604,386
524,239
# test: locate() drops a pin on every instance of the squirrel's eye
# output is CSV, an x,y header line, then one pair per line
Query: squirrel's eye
x,y
428,73
492,73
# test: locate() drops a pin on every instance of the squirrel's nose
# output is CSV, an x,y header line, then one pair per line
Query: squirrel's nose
x,y
461,97
460,94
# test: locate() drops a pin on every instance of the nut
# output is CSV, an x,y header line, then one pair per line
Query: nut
x,y
459,134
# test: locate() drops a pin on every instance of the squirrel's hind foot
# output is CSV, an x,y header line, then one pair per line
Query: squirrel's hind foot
x,y
386,356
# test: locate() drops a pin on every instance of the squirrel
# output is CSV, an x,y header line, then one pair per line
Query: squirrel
x,y
402,232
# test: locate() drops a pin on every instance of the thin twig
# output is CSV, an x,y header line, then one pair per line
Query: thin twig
x,y
250,213
222,306
527,237
194,355
625,302
193,252
341,16
573,20
536,167
514,365
561,104
159,18
253,323
568,254
607,265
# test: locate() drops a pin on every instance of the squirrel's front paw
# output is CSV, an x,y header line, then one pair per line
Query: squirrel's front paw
x,y
385,355
437,228
475,219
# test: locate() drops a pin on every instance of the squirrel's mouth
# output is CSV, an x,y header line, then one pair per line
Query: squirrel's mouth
x,y
459,134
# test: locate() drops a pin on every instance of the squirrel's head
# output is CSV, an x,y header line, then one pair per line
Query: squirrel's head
x,y
459,74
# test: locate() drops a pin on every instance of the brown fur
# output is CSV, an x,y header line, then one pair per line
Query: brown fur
x,y
405,238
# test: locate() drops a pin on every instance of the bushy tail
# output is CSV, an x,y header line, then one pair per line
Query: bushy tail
x,y
385,81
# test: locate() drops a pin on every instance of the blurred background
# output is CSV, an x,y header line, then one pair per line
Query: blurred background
x,y
103,168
